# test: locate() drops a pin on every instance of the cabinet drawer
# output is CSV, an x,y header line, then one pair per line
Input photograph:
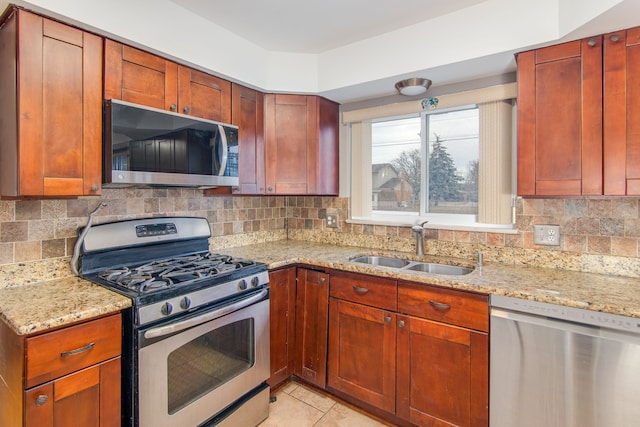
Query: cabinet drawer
x,y
369,290
459,308
60,352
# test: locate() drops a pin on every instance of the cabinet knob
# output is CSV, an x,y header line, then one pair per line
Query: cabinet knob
x,y
269,188
173,107
592,42
186,109
42,399
95,187
322,280
387,319
401,323
615,38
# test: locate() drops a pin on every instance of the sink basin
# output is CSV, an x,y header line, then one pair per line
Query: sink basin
x,y
428,267
404,264
382,261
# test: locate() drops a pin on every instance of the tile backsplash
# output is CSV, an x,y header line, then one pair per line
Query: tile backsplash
x,y
599,235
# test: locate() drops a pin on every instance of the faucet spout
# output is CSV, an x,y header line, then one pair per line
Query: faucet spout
x,y
419,231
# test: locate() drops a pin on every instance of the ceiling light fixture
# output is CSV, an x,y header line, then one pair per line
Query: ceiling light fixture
x,y
413,86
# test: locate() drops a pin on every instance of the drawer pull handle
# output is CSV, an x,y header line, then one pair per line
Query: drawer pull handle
x,y
78,350
360,290
440,306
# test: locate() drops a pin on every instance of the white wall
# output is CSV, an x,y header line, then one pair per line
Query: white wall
x,y
465,42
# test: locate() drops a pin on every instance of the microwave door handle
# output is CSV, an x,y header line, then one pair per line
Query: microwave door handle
x,y
186,324
223,160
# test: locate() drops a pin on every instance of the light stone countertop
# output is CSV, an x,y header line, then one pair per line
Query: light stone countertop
x,y
31,302
606,293
41,306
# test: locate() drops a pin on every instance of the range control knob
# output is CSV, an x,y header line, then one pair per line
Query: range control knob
x,y
185,303
166,308
255,281
242,285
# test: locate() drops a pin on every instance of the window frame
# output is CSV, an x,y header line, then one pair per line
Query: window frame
x,y
436,220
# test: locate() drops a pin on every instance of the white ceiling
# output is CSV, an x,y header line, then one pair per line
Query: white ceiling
x,y
315,26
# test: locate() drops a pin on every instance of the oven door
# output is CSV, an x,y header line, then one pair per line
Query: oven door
x,y
190,370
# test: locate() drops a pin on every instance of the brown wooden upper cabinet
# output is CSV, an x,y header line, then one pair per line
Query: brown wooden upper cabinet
x,y
247,112
143,78
51,103
578,131
301,145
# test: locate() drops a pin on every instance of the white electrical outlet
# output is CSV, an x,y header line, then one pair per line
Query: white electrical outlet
x,y
332,220
546,235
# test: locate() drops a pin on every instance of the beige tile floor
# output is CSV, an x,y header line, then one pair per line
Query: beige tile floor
x,y
299,406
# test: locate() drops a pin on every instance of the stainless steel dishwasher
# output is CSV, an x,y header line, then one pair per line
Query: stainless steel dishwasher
x,y
556,366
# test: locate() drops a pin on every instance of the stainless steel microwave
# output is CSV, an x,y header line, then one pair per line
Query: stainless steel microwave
x,y
146,146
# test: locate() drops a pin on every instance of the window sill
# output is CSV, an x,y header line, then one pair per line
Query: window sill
x,y
395,221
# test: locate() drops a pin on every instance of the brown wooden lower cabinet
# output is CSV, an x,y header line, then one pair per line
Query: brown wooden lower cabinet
x,y
362,353
415,353
312,319
90,397
282,310
420,362
66,377
442,374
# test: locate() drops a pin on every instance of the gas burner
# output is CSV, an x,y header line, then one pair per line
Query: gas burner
x,y
170,272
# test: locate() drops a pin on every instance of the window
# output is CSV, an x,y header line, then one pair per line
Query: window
x,y
451,165
426,164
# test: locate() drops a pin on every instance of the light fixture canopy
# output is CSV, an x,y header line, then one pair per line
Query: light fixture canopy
x,y
413,86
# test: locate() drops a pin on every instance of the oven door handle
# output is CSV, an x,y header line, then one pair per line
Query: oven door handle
x,y
186,324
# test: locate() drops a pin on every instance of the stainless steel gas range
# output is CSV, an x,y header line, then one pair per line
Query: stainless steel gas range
x,y
196,340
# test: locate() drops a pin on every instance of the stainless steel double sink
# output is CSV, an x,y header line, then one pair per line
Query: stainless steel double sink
x,y
406,264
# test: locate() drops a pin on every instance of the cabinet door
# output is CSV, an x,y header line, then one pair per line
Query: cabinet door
x,y
312,315
362,354
203,95
282,310
247,112
90,397
443,374
287,121
59,112
560,120
622,113
301,145
139,77
327,153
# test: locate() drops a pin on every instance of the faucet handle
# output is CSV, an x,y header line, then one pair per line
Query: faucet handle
x,y
419,228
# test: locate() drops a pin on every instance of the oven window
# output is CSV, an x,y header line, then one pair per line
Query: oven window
x,y
209,361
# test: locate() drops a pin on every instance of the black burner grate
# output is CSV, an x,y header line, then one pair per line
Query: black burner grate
x,y
171,272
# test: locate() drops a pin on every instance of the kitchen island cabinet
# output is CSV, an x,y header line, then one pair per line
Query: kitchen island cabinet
x,y
51,122
578,122
140,77
301,145
69,376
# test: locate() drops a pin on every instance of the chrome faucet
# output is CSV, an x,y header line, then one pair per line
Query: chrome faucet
x,y
419,230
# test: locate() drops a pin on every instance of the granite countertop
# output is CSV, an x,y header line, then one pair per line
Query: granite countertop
x,y
36,307
35,297
598,292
